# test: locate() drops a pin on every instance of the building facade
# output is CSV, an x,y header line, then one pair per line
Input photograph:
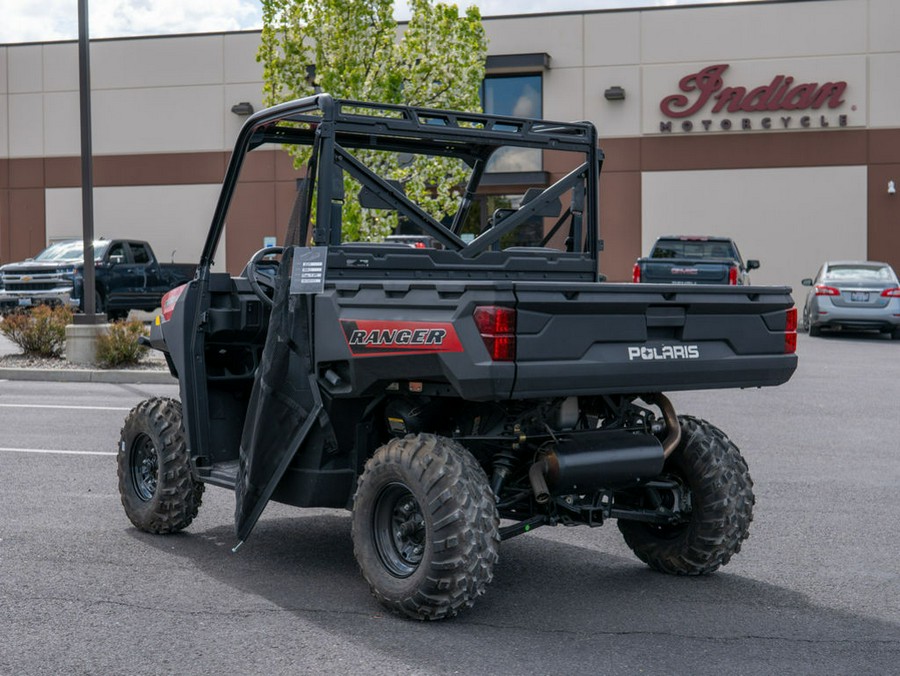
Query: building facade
x,y
776,123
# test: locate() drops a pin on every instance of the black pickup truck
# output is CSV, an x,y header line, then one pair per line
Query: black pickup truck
x,y
436,390
694,260
128,276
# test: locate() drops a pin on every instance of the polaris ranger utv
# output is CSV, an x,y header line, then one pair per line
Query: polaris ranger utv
x,y
451,395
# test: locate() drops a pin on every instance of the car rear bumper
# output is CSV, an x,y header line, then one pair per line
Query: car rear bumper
x,y
881,319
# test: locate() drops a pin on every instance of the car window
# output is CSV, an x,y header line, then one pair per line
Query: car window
x,y
140,253
693,249
873,273
117,249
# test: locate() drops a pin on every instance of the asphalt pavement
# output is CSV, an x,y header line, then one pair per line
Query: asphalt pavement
x,y
815,589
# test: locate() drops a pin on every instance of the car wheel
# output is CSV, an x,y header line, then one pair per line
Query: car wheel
x,y
425,527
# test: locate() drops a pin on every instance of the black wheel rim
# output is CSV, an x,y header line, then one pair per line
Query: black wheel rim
x,y
144,467
399,529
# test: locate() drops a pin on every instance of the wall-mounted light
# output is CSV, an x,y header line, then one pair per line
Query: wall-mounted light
x,y
242,108
614,93
892,189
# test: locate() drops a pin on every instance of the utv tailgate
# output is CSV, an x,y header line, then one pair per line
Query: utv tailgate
x,y
571,339
627,338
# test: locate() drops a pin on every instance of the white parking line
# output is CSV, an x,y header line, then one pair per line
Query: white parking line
x,y
72,408
53,451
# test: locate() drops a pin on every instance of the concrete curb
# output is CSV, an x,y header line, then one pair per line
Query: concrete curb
x,y
89,376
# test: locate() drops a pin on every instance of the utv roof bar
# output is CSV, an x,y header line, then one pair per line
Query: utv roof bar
x,y
472,137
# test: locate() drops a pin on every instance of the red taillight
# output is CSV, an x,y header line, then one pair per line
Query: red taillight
x,y
636,274
168,301
419,245
497,326
790,331
790,343
891,293
790,322
733,275
822,290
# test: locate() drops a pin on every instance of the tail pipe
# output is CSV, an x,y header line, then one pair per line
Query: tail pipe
x,y
537,477
673,434
593,460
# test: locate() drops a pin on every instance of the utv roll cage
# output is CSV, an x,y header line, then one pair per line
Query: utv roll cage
x,y
334,128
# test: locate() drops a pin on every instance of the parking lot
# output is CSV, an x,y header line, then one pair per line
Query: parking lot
x,y
815,590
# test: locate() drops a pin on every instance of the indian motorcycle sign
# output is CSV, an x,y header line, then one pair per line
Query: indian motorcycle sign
x,y
708,104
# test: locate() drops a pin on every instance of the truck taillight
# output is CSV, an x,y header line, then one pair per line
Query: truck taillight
x,y
497,326
168,301
822,290
636,274
733,275
790,331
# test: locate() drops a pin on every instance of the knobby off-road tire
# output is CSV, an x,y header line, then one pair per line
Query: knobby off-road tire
x,y
425,527
721,493
155,483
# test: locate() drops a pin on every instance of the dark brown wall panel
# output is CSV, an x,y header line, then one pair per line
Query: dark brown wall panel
x,y
27,232
883,146
884,215
250,217
26,173
620,223
284,166
65,172
621,154
4,211
754,151
166,169
128,170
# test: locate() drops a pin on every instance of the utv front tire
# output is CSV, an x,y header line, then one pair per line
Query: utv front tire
x,y
425,527
718,482
155,483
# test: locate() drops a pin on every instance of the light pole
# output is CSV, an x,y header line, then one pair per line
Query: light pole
x,y
81,336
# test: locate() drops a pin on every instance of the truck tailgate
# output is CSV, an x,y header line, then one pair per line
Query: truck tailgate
x,y
678,271
627,338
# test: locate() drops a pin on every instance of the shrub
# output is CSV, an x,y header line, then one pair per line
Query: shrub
x,y
39,331
120,347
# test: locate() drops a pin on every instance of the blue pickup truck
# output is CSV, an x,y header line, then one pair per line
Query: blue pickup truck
x,y
127,273
678,259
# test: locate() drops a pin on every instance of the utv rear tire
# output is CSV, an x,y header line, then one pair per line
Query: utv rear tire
x,y
721,493
155,483
425,527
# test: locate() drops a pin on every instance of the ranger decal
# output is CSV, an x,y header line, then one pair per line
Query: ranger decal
x,y
367,337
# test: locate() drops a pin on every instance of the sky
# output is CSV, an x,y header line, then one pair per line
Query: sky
x,y
47,20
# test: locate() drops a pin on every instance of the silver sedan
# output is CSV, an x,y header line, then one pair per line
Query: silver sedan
x,y
856,295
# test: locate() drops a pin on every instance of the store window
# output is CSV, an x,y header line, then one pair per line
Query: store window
x,y
518,96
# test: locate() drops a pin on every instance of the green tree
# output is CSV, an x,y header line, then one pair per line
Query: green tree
x,y
354,50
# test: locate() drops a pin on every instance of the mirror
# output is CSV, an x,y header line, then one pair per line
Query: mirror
x,y
806,282
752,264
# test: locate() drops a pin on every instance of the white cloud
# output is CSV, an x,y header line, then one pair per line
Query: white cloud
x,y
45,20
30,21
